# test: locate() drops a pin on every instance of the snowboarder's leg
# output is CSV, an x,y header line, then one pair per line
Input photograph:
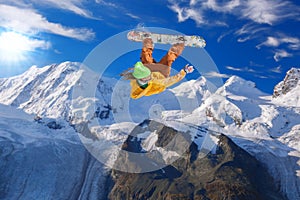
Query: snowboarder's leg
x,y
172,54
146,55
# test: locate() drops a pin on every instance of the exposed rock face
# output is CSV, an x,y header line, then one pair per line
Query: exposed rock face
x,y
290,81
142,155
230,173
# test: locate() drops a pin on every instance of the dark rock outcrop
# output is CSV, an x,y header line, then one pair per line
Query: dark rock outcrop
x,y
290,81
228,173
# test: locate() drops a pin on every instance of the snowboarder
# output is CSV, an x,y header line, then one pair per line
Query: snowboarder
x,y
150,77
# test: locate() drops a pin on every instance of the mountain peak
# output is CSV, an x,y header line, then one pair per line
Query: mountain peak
x,y
197,88
290,81
238,81
37,88
239,86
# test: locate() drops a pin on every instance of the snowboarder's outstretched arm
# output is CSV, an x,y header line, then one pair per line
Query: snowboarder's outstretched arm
x,y
168,82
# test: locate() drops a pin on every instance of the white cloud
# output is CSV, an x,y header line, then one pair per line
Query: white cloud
x,y
244,39
267,12
250,30
38,44
188,13
261,12
277,69
293,43
261,76
30,21
233,68
106,3
224,35
222,7
193,2
19,3
57,51
133,16
295,46
74,6
70,5
253,64
290,40
221,37
279,54
214,74
270,42
243,69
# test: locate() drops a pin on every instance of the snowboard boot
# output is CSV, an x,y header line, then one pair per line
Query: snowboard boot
x,y
146,55
172,54
148,43
177,48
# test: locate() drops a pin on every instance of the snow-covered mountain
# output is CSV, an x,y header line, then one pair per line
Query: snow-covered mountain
x,y
41,88
286,92
266,126
42,161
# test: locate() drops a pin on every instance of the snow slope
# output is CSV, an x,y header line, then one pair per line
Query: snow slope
x,y
37,162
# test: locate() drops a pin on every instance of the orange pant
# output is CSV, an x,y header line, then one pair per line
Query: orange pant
x,y
163,66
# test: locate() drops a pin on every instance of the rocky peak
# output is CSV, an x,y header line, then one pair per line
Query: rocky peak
x,y
150,146
228,173
290,81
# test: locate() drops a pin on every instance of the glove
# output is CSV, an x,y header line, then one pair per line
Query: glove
x,y
188,69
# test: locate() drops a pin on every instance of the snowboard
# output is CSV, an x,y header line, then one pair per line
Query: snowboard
x,y
188,40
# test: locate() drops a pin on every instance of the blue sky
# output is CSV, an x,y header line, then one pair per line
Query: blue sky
x,y
256,40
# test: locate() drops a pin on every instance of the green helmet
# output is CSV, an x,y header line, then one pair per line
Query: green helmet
x,y
140,71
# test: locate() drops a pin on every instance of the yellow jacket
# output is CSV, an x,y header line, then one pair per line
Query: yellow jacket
x,y
157,84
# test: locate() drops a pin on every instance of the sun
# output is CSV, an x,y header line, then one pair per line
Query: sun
x,y
13,47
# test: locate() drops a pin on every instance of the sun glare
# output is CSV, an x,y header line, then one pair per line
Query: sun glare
x,y
13,47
